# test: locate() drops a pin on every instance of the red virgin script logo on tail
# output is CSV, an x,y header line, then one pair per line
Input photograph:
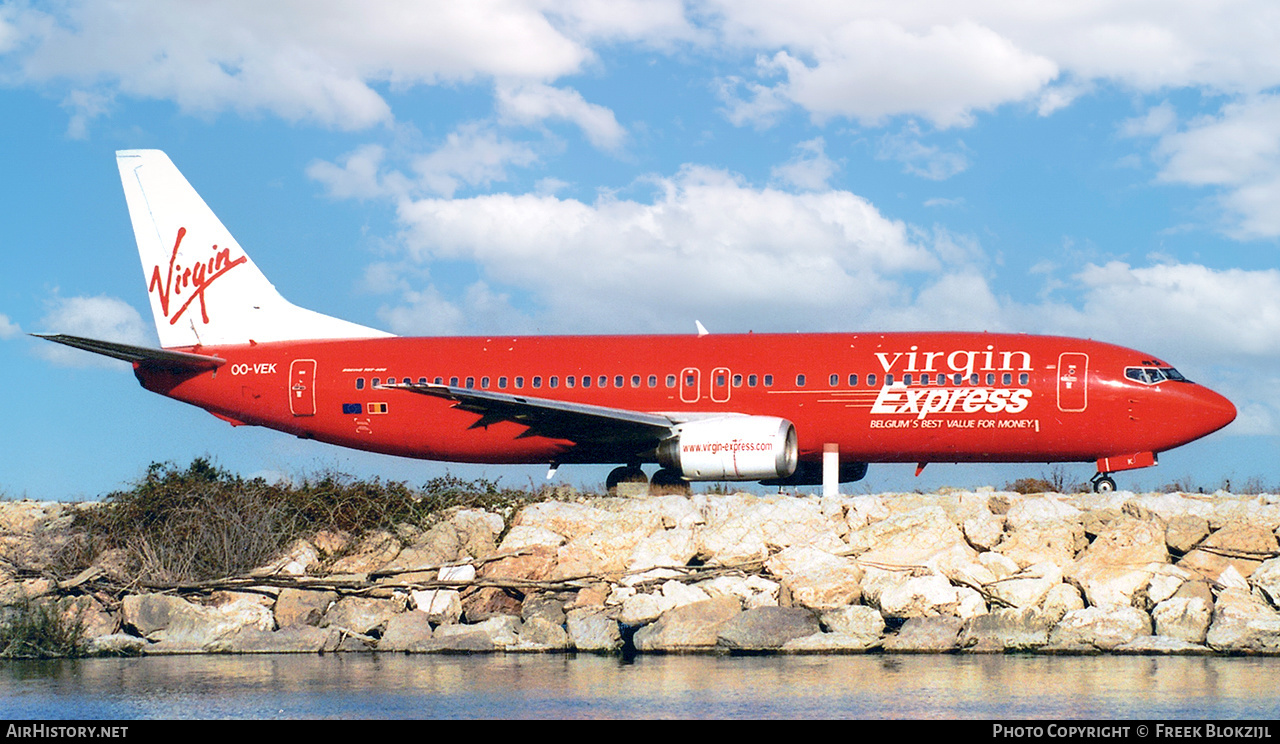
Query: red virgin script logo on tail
x,y
191,279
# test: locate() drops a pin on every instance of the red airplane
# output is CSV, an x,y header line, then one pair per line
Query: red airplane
x,y
793,409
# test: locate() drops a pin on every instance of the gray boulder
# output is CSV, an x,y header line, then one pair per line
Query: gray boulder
x,y
1243,624
1099,628
926,635
407,631
593,629
1117,567
1183,618
299,639
302,606
362,615
766,628
693,627
182,626
1007,629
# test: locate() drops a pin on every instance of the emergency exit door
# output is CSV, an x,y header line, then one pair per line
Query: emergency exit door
x,y
302,387
1073,381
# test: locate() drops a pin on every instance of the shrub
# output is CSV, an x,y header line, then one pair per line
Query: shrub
x,y
203,522
39,630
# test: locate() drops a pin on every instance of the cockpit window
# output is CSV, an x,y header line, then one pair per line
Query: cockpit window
x,y
1153,375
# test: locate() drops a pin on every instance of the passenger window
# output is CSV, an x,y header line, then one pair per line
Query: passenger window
x,y
359,383
833,380
377,382
519,382
737,380
484,382
924,379
768,380
752,380
502,383
991,378
554,381
871,380
604,381
586,381
653,380
958,379
471,382
671,381
906,379
1007,378
569,381
618,381
439,380
799,380
853,380
422,381
453,381
537,381
1024,378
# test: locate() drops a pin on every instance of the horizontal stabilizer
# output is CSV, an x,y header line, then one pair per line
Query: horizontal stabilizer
x,y
156,358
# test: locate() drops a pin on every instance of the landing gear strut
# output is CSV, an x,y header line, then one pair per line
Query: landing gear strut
x,y
1102,483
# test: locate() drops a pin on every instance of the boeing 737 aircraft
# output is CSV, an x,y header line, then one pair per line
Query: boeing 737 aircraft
x,y
793,409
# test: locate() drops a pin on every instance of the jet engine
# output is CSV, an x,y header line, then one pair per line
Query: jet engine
x,y
734,448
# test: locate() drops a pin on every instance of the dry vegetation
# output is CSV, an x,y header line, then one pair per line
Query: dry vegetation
x,y
203,522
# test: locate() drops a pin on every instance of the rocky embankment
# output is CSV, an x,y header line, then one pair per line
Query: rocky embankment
x,y
980,572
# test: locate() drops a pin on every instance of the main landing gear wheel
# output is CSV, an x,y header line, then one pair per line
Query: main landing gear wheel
x,y
667,481
1103,483
624,474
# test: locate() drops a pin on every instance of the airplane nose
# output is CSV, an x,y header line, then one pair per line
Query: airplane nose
x,y
1213,410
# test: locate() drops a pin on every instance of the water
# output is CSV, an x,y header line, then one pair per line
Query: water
x,y
369,686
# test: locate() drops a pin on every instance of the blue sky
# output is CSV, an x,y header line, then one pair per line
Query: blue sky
x,y
1106,170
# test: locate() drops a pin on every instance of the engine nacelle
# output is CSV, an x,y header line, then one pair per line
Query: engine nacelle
x,y
732,448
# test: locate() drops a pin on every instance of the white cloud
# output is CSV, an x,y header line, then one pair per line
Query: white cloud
x,y
1188,309
1238,153
103,318
532,103
707,246
358,176
474,155
428,312
8,329
1158,120
809,170
919,159
873,69
85,106
302,60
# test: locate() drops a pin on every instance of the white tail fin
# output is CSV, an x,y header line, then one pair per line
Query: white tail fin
x,y
204,289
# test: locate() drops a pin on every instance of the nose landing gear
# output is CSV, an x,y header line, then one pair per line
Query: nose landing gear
x,y
1102,483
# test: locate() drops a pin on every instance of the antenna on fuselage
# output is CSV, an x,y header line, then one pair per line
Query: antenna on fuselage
x,y
702,330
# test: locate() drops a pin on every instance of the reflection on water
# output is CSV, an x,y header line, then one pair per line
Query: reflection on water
x,y
539,686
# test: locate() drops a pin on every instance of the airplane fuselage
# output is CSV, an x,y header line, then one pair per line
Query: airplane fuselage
x,y
880,397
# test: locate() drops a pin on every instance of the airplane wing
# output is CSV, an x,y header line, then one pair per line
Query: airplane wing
x,y
591,428
178,361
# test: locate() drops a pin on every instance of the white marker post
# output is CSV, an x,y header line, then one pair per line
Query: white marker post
x,y
830,469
